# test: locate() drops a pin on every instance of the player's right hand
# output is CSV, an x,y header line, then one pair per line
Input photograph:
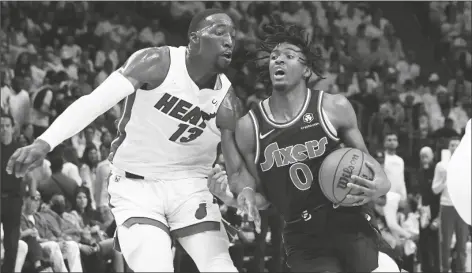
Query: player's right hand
x,y
217,183
27,158
247,202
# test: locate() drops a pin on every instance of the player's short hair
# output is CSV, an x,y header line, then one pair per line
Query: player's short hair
x,y
194,24
276,34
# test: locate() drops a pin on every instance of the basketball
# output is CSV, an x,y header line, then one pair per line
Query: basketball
x,y
336,170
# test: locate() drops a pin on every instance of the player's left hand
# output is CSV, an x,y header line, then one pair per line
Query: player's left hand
x,y
363,190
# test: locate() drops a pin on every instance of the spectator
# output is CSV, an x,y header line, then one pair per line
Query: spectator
x,y
104,73
88,220
50,238
408,68
392,110
450,221
38,71
296,15
107,25
83,85
351,20
23,65
31,236
86,63
71,49
369,103
28,132
70,168
70,67
459,87
19,105
376,59
393,46
394,166
107,52
410,90
101,184
84,138
88,170
447,131
376,24
459,116
53,62
431,103
12,189
42,101
152,35
58,183
429,207
23,141
126,33
360,44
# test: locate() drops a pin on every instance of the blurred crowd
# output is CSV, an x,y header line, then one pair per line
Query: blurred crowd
x,y
52,53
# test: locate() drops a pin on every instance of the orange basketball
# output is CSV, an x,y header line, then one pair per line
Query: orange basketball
x,y
336,170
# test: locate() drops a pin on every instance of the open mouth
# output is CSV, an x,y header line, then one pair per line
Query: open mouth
x,y
227,55
279,73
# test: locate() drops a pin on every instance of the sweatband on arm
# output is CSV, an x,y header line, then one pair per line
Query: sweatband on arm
x,y
87,108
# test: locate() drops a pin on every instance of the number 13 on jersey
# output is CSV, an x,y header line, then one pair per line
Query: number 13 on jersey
x,y
185,134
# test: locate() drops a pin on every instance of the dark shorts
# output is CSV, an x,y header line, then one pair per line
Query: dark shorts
x,y
333,243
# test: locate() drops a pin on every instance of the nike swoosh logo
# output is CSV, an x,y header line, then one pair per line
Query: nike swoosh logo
x,y
262,136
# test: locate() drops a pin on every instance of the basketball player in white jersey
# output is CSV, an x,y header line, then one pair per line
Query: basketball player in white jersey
x,y
459,177
178,106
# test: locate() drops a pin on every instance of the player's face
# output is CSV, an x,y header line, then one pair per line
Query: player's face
x,y
217,37
286,66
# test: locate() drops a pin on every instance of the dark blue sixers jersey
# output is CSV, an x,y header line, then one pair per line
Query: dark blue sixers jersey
x,y
288,156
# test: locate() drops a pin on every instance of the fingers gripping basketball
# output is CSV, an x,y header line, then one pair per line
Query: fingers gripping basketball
x,y
336,171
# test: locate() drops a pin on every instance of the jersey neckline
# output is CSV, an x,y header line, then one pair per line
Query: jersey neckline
x,y
218,83
289,123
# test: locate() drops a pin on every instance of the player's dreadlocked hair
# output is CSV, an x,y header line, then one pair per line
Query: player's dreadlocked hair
x,y
276,34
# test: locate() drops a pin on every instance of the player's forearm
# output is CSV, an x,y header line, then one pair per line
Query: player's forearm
x,y
87,108
241,179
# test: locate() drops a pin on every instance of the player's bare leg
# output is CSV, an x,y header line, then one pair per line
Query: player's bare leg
x,y
209,250
386,264
146,248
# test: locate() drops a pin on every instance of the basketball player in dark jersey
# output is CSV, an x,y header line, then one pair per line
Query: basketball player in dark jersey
x,y
283,142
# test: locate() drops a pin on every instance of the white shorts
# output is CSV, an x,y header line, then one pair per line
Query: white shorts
x,y
179,207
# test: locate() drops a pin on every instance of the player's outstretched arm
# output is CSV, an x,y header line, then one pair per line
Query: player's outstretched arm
x,y
218,186
343,117
147,66
231,110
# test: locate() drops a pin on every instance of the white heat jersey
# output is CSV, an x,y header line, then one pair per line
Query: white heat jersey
x,y
170,132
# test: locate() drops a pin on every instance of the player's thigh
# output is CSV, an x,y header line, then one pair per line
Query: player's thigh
x,y
305,261
145,247
191,208
358,251
209,250
386,264
136,198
